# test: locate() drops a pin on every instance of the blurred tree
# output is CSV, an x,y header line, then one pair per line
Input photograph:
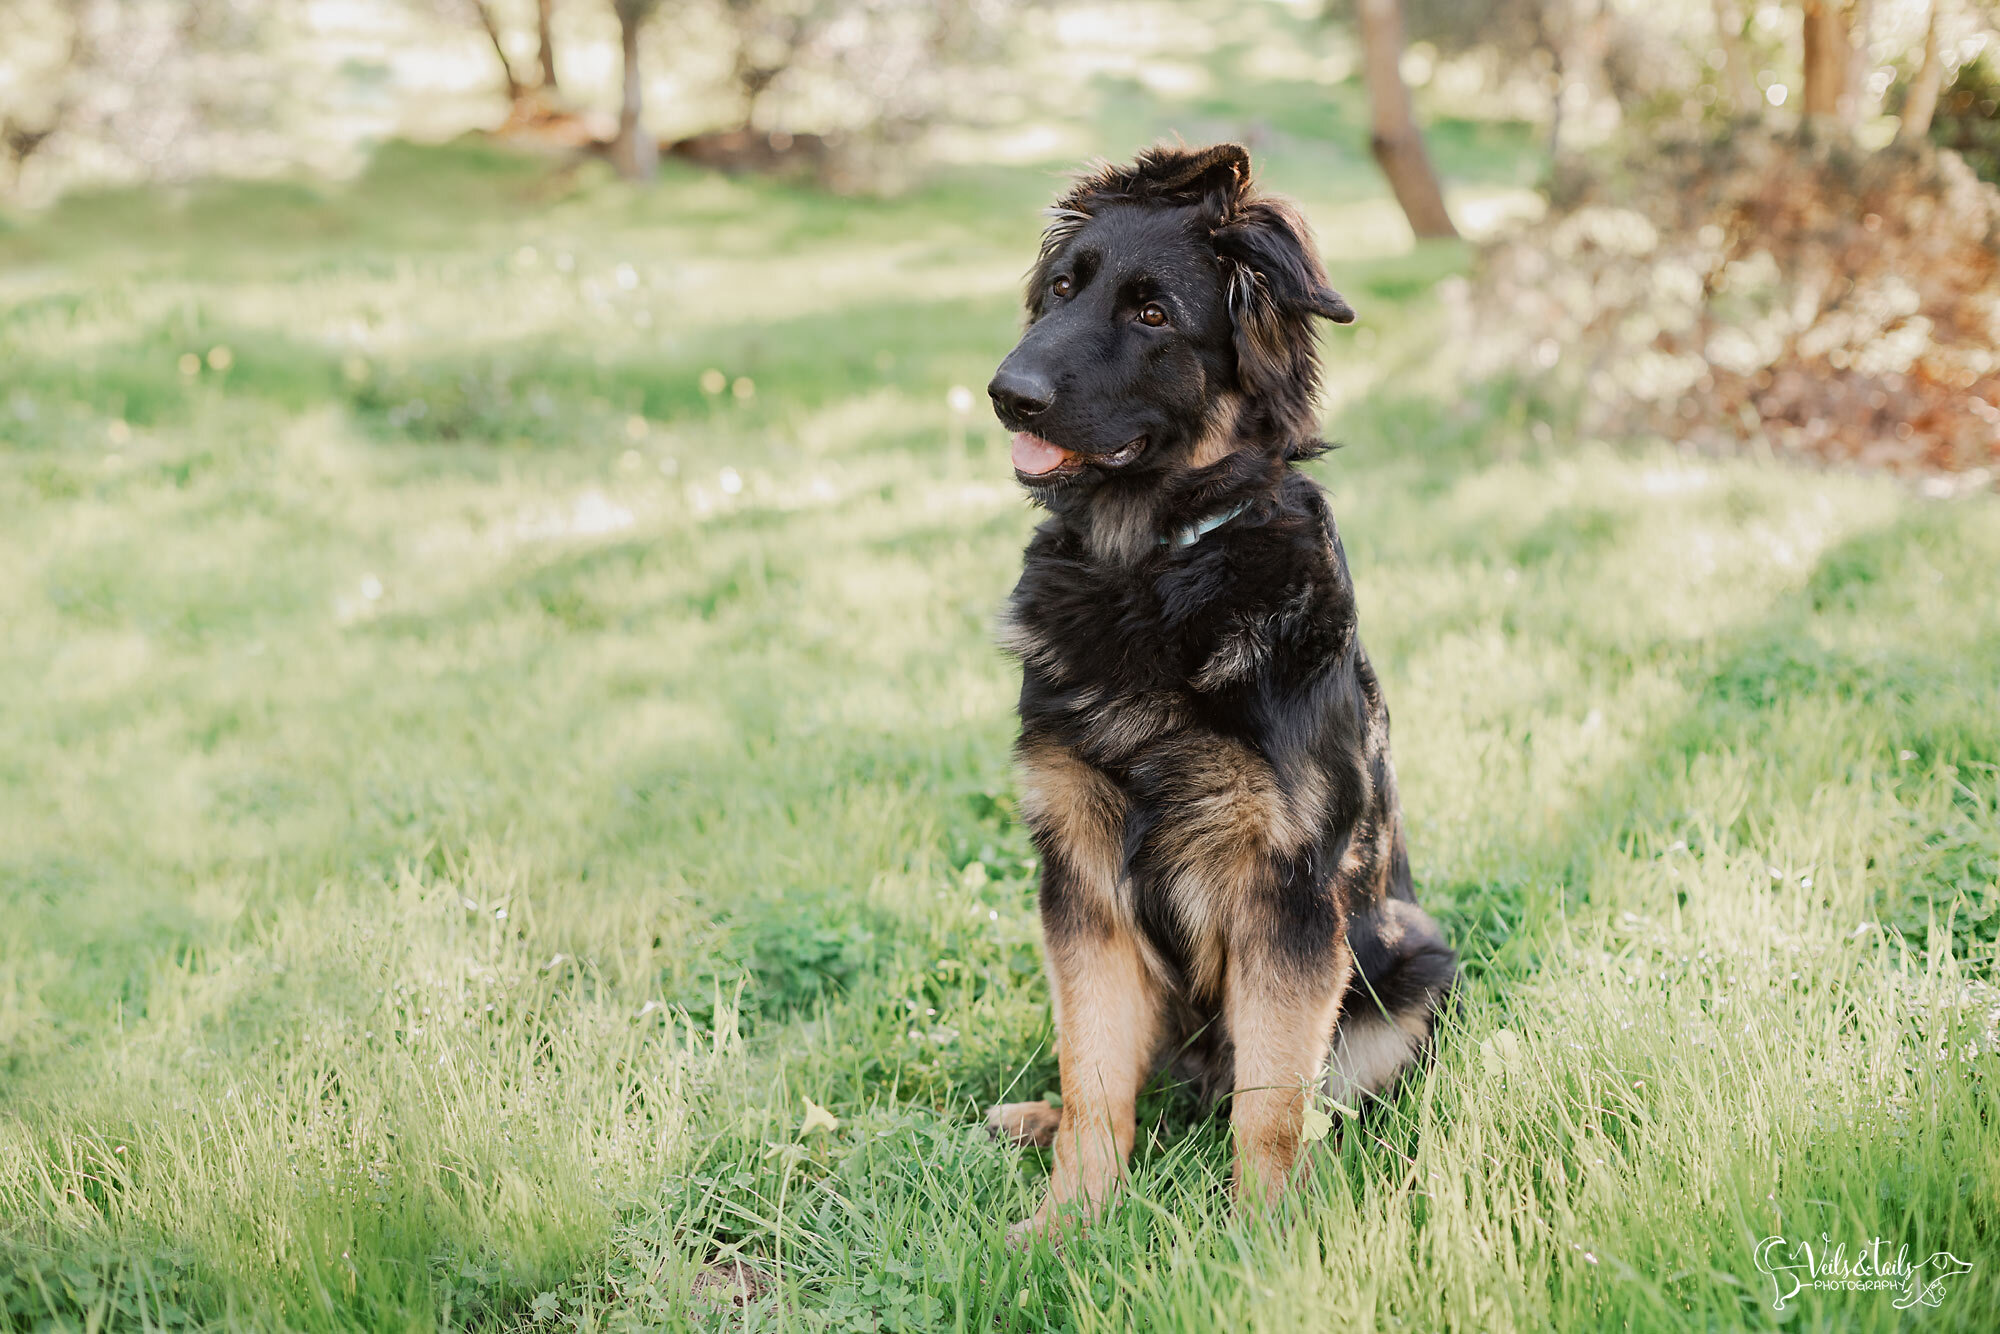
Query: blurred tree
x,y
143,89
38,104
838,90
891,61
634,152
1739,83
527,99
1967,119
483,12
1920,104
1564,44
1856,95
1394,139
1829,48
770,36
545,42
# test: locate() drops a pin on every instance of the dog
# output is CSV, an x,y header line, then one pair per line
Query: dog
x,y
1203,760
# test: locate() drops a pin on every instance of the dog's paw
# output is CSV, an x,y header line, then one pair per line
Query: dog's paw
x,y
1030,1124
1024,1234
1052,1225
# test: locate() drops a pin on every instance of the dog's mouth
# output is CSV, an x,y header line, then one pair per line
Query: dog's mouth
x,y
1039,463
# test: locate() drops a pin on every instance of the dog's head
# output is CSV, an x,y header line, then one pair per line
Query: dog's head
x,y
1170,323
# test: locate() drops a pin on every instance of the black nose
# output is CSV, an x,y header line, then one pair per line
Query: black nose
x,y
1019,393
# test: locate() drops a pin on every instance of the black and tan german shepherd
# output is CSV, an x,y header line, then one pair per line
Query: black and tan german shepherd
x,y
1204,752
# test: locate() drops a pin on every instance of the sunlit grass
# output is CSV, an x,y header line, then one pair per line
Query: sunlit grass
x,y
442,851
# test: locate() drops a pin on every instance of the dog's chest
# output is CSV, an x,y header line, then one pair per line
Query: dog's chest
x,y
1089,638
1113,665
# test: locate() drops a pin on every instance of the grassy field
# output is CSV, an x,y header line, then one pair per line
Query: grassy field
x,y
498,720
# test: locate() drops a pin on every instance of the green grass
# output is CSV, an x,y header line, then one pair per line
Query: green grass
x,y
443,847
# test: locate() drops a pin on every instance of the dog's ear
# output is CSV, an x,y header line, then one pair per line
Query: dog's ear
x,y
1272,241
1218,176
1221,171
1277,287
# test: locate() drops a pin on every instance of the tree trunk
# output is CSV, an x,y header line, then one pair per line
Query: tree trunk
x,y
633,152
1588,58
1738,81
544,33
1921,104
486,21
1551,42
1395,140
1827,51
1559,87
1860,21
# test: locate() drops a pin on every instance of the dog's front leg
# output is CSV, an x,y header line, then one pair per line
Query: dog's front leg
x,y
1281,1007
1107,1027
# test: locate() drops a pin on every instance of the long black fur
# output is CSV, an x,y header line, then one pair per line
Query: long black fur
x,y
1140,655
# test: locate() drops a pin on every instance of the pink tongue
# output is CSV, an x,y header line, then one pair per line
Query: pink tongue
x,y
1034,455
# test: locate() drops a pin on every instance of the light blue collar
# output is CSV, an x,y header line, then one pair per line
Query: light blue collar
x,y
1194,532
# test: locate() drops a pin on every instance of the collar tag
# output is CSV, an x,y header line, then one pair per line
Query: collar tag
x,y
1194,532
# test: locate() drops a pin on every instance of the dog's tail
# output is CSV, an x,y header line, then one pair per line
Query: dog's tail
x,y
1404,977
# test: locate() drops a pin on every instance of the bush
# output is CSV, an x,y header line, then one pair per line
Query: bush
x,y
1836,303
1967,120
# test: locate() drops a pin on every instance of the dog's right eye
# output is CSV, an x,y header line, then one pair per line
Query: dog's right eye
x,y
1063,286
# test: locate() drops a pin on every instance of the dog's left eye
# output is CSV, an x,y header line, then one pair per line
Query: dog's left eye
x,y
1153,313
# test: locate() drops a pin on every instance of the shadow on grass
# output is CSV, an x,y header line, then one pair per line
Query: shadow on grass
x,y
1912,708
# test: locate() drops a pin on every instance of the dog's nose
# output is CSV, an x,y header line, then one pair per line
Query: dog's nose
x,y
1019,393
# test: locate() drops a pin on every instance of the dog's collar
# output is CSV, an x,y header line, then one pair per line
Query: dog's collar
x,y
1194,532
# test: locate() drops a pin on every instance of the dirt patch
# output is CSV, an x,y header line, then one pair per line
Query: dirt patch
x,y
756,153
731,1284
